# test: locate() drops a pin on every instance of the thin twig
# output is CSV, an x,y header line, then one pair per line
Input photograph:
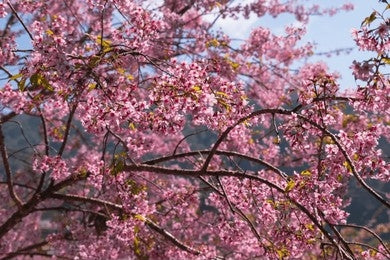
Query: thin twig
x,y
369,231
20,20
8,171
67,130
25,250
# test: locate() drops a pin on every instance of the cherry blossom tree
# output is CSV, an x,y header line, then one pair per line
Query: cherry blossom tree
x,y
156,135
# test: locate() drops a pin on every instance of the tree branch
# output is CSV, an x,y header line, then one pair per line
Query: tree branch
x,y
349,161
230,128
198,173
25,250
8,172
369,231
219,152
20,20
119,208
66,134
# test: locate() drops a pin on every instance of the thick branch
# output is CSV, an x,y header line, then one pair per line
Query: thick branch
x,y
28,207
7,117
219,152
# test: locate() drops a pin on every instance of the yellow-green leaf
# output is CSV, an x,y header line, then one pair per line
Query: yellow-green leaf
x,y
117,167
386,60
22,84
106,44
276,140
49,32
132,126
197,88
91,86
121,71
94,61
369,19
347,166
38,80
16,76
282,253
137,249
290,185
220,93
139,217
213,42
310,227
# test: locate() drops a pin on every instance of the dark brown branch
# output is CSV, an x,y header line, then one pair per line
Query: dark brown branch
x,y
349,161
151,224
67,130
123,144
238,211
25,250
184,138
20,20
370,247
19,184
369,231
335,231
198,173
219,152
230,128
7,117
7,168
37,198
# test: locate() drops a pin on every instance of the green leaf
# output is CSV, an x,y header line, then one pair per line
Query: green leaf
x,y
306,173
38,80
139,217
369,19
290,185
348,166
386,60
22,84
16,76
117,167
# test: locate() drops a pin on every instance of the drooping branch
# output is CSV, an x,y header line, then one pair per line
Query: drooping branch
x,y
198,173
26,250
223,136
37,198
261,162
369,231
151,224
349,161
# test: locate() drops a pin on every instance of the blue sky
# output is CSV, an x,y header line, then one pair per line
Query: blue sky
x,y
335,32
329,33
